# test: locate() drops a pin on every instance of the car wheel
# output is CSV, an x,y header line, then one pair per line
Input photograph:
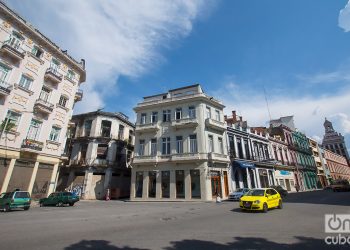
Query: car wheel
x,y
60,204
7,208
280,205
26,208
265,208
71,204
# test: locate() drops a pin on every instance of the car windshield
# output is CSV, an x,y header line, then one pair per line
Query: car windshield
x,y
256,192
22,195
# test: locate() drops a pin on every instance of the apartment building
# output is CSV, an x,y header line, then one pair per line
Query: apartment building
x,y
180,151
99,147
320,166
337,165
39,85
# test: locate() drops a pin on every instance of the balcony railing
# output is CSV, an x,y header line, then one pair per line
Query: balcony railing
x,y
185,123
78,95
43,106
5,88
148,127
53,75
32,144
214,124
14,51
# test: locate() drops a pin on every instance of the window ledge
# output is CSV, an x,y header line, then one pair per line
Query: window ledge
x,y
53,142
69,79
12,132
36,58
62,107
23,89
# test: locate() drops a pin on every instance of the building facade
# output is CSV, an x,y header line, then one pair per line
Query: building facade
x,y
39,85
320,166
180,151
334,141
100,147
337,165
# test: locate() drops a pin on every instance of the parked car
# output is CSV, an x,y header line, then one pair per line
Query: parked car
x,y
13,200
280,190
340,185
59,199
235,196
261,199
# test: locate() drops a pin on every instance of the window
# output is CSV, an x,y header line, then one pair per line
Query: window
x,y
70,74
153,147
166,145
165,184
106,128
45,94
246,147
208,112
121,132
4,71
166,115
55,65
63,101
179,145
232,146
142,147
34,130
15,40
37,52
193,144
143,118
180,183
139,184
102,150
55,133
240,148
195,184
12,119
154,117
87,127
221,146
152,184
178,113
217,115
210,144
191,112
25,82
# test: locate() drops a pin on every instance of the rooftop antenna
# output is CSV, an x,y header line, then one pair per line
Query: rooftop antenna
x,y
267,103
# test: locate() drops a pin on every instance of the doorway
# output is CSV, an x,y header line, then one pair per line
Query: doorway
x,y
288,185
215,183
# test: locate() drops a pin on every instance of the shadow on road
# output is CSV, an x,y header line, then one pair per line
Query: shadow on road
x,y
239,243
326,197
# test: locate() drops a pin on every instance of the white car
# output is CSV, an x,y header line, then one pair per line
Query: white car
x,y
235,196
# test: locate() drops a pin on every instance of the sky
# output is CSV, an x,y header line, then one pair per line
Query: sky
x,y
297,52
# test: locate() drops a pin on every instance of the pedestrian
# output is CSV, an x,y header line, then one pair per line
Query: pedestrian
x,y
218,198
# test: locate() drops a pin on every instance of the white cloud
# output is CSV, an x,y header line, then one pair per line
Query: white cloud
x,y
344,18
115,37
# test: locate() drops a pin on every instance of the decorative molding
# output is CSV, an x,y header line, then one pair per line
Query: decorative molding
x,y
29,41
32,67
20,100
60,116
47,56
68,89
6,25
53,145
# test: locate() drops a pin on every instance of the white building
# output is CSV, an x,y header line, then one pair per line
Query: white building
x,y
38,88
100,148
180,151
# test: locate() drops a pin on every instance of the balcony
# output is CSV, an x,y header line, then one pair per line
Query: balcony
x,y
5,88
80,162
145,159
215,157
185,123
148,127
52,75
30,145
78,95
188,157
43,106
13,51
216,125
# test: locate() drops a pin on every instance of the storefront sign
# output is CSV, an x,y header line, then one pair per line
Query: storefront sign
x,y
284,172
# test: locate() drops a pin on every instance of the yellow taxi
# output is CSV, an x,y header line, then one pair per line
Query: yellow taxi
x,y
261,199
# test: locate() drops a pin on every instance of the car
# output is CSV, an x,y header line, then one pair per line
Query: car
x,y
280,190
235,196
59,199
340,185
15,199
261,199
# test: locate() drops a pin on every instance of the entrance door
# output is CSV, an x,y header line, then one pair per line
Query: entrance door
x,y
215,184
288,185
226,183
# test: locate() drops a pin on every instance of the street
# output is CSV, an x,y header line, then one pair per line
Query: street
x,y
178,225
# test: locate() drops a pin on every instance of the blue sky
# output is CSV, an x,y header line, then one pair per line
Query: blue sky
x,y
297,50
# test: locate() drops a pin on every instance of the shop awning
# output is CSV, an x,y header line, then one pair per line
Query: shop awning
x,y
243,164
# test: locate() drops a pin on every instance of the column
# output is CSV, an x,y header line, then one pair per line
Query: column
x,y
70,179
133,181
8,175
187,185
243,148
159,185
248,178
172,184
236,146
145,185
32,179
87,184
53,179
250,149
257,178
241,185
108,177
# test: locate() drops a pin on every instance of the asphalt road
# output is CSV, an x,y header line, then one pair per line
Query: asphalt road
x,y
116,225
